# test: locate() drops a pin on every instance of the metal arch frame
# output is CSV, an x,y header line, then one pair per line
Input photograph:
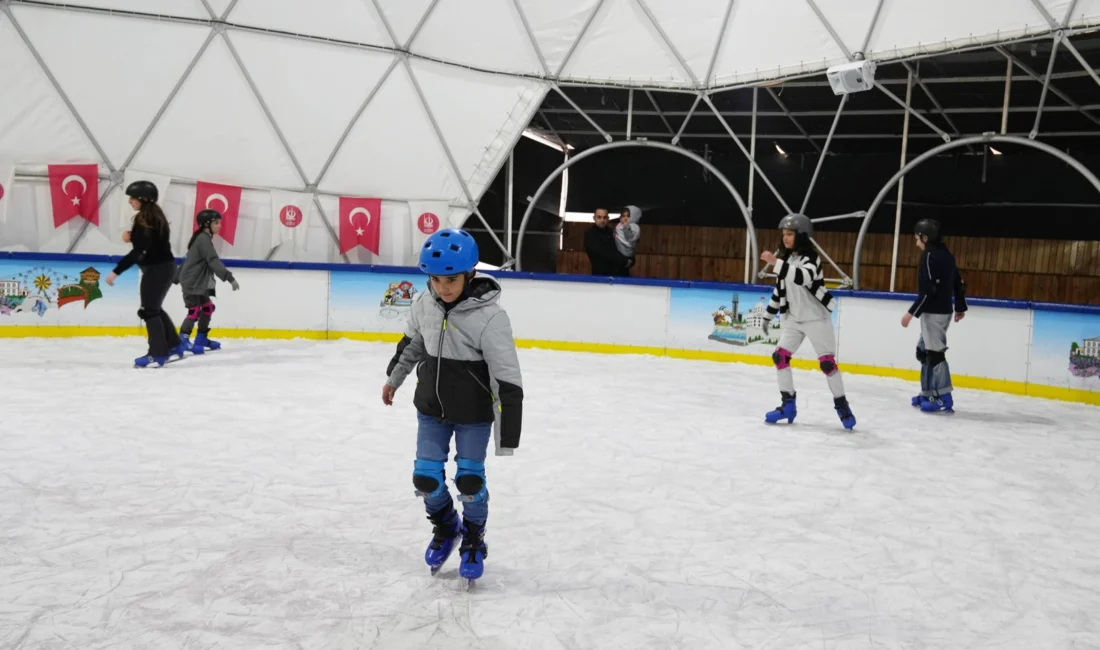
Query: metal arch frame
x,y
954,144
654,144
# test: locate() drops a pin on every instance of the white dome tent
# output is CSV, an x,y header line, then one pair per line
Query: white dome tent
x,y
414,102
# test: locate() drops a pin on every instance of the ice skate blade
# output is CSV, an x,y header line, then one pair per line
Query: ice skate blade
x,y
467,584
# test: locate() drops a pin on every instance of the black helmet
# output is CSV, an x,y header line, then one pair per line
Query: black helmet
x,y
143,191
799,223
929,228
206,217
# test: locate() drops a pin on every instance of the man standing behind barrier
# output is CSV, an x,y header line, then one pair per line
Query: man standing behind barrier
x,y
599,243
938,280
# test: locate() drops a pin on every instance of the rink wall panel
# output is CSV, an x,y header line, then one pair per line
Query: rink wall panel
x,y
1039,349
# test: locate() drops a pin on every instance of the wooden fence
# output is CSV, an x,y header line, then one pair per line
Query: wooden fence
x,y
1019,269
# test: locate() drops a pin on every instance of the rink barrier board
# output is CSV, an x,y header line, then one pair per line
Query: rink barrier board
x,y
962,381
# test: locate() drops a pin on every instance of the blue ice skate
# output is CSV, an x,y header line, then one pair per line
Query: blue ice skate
x,y
444,536
785,411
147,360
943,403
472,552
845,412
918,400
203,343
185,343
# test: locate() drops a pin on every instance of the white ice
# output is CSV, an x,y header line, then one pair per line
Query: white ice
x,y
261,497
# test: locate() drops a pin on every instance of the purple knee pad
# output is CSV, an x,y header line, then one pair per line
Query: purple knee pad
x,y
782,358
207,308
828,364
193,313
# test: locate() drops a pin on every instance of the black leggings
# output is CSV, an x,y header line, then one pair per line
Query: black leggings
x,y
155,282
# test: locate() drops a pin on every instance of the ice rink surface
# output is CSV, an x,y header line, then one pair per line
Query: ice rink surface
x,y
261,497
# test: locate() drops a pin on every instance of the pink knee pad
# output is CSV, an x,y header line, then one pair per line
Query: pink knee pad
x,y
828,365
207,308
782,358
193,312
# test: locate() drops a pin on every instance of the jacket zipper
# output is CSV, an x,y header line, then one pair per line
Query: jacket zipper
x,y
486,389
439,367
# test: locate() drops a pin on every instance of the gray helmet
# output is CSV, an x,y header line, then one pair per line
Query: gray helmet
x,y
798,223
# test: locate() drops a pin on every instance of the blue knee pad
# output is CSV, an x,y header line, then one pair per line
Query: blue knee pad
x,y
470,480
428,478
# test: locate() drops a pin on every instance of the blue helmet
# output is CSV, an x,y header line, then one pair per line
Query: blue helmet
x,y
449,252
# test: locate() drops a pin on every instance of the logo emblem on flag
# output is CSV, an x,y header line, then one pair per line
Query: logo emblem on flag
x,y
428,223
291,216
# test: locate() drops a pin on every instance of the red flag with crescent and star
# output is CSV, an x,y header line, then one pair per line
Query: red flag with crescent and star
x,y
226,199
360,223
74,192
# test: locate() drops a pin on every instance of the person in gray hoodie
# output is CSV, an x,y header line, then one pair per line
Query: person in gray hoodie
x,y
628,232
459,340
196,278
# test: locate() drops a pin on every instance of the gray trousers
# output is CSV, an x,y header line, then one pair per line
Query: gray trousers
x,y
823,340
935,376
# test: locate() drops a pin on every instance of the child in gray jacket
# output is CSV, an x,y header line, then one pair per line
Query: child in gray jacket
x,y
628,232
196,278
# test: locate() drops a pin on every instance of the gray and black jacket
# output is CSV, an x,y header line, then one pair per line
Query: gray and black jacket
x,y
465,358
196,275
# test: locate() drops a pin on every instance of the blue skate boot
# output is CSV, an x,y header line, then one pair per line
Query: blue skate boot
x,y
918,400
785,411
943,403
472,552
444,536
845,412
203,343
185,343
147,360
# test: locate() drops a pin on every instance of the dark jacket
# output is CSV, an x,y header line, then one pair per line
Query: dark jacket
x,y
938,281
465,360
196,274
150,247
605,257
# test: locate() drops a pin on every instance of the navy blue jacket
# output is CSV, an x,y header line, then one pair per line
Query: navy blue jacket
x,y
938,280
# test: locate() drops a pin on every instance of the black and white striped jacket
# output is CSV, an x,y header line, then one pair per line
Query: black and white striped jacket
x,y
801,270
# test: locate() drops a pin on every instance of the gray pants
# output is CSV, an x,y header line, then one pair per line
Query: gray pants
x,y
822,338
935,376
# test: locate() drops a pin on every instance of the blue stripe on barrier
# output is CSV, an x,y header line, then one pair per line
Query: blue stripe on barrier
x,y
553,277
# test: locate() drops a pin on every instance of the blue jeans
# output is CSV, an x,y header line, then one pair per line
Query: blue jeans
x,y
433,442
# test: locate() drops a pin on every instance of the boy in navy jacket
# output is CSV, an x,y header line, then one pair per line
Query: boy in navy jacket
x,y
938,282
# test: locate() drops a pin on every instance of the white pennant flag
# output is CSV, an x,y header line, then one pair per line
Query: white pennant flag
x,y
425,218
7,183
289,213
132,175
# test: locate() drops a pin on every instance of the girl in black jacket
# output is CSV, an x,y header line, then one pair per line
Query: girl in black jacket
x,y
152,252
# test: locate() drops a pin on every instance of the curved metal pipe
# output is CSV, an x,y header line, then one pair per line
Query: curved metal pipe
x,y
954,144
636,143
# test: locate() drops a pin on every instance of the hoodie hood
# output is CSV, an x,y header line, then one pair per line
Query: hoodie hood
x,y
635,213
482,291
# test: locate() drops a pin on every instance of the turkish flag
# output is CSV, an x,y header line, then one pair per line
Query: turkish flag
x,y
226,199
74,192
360,223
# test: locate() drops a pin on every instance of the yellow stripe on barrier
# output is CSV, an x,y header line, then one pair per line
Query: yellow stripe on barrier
x,y
961,381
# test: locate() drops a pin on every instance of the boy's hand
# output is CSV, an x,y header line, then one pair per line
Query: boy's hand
x,y
504,451
959,315
387,394
906,319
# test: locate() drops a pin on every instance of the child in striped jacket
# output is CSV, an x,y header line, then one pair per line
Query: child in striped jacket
x,y
804,306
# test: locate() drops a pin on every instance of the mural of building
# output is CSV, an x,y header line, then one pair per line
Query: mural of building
x,y
12,288
1090,348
